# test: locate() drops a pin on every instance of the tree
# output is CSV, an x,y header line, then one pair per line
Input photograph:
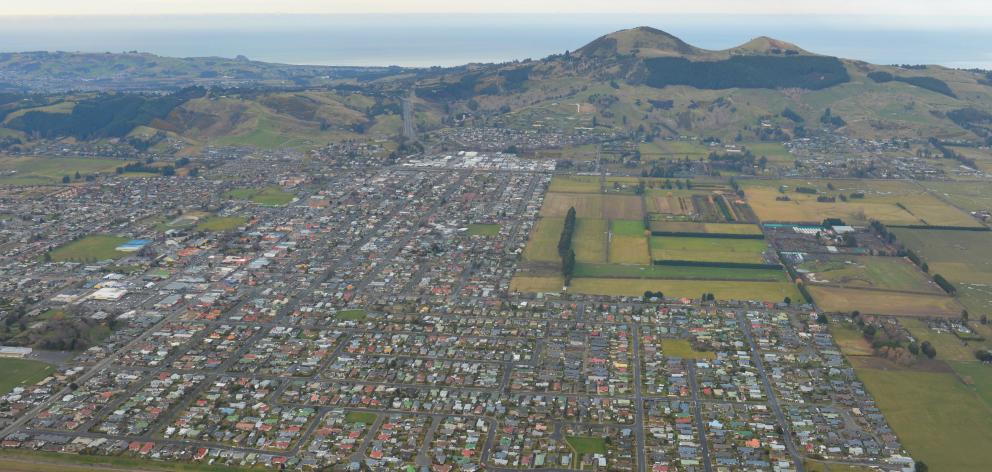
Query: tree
x,y
928,349
568,266
921,466
787,300
65,179
914,349
77,176
822,319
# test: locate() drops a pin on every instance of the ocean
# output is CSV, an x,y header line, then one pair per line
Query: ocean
x,y
445,40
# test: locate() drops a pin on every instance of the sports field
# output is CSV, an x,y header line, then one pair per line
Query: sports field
x,y
589,240
678,248
543,243
221,223
270,196
95,247
478,229
20,372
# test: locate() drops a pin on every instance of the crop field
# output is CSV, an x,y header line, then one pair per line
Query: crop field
x,y
891,202
723,290
221,223
704,228
677,272
938,418
891,273
50,170
19,372
95,247
708,249
574,184
675,205
586,205
845,300
269,196
952,255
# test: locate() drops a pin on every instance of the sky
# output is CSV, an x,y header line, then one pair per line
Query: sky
x,y
922,9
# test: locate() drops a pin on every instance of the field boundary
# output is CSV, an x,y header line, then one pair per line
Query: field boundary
x,y
719,265
684,234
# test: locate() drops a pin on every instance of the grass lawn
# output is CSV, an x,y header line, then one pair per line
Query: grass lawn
x,y
938,418
543,243
948,346
352,315
977,375
707,249
15,372
683,349
587,445
627,227
95,247
589,240
477,229
221,223
360,417
629,250
850,340
270,196
526,283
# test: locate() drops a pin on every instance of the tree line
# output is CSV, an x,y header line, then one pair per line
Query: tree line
x,y
565,250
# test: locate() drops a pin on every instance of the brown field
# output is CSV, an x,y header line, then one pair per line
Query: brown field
x,y
622,207
629,250
586,205
704,228
843,300
670,205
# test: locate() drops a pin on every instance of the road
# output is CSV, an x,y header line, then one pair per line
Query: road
x,y
790,445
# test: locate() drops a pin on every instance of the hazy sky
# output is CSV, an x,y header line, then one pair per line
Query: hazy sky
x,y
965,9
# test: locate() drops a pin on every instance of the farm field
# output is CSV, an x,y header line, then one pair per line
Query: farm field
x,y
17,372
629,250
95,247
938,418
845,300
952,255
627,227
724,290
891,202
969,196
850,340
50,170
622,207
891,273
536,283
586,205
677,272
270,196
704,228
948,346
680,248
574,184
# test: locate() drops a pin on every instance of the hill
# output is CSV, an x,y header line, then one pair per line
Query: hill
x,y
640,81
